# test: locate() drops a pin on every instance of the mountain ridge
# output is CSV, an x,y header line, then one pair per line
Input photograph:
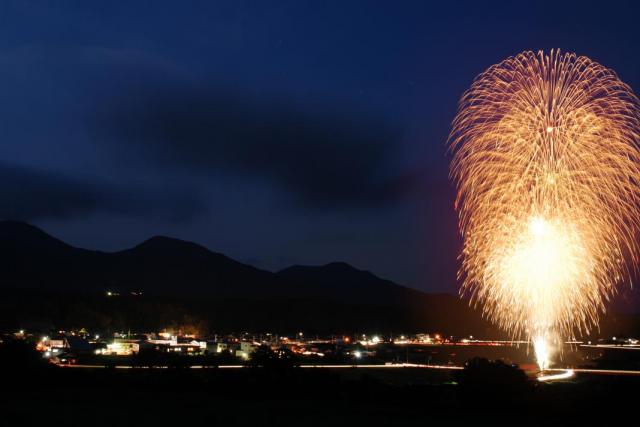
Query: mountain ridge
x,y
219,288
16,237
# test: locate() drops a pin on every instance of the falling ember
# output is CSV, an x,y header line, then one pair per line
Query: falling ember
x,y
547,166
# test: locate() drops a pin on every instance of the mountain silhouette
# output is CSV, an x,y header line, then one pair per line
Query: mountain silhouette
x,y
167,269
172,267
341,281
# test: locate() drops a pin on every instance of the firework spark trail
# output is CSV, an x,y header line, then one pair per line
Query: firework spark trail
x,y
547,166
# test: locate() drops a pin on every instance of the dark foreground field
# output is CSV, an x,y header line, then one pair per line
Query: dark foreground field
x,y
305,397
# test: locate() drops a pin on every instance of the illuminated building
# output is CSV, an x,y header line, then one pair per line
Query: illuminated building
x,y
122,347
246,349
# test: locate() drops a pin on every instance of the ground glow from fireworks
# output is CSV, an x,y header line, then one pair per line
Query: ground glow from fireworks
x,y
547,166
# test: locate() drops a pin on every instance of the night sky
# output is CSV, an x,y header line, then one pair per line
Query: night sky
x,y
277,133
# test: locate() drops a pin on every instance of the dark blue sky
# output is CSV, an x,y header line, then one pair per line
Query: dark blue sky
x,y
275,132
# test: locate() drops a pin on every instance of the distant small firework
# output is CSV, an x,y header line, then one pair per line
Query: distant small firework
x,y
547,165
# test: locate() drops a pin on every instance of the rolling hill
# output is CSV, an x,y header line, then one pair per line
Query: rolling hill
x,y
181,279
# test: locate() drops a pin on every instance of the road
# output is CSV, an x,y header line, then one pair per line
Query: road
x,y
552,374
361,366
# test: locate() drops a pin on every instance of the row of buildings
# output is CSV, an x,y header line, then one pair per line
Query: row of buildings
x,y
241,346
127,344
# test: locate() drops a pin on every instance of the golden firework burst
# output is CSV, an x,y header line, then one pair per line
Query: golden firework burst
x,y
547,166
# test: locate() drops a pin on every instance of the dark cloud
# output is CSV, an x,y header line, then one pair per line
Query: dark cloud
x,y
320,159
28,194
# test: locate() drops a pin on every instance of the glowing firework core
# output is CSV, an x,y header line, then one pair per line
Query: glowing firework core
x,y
547,167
